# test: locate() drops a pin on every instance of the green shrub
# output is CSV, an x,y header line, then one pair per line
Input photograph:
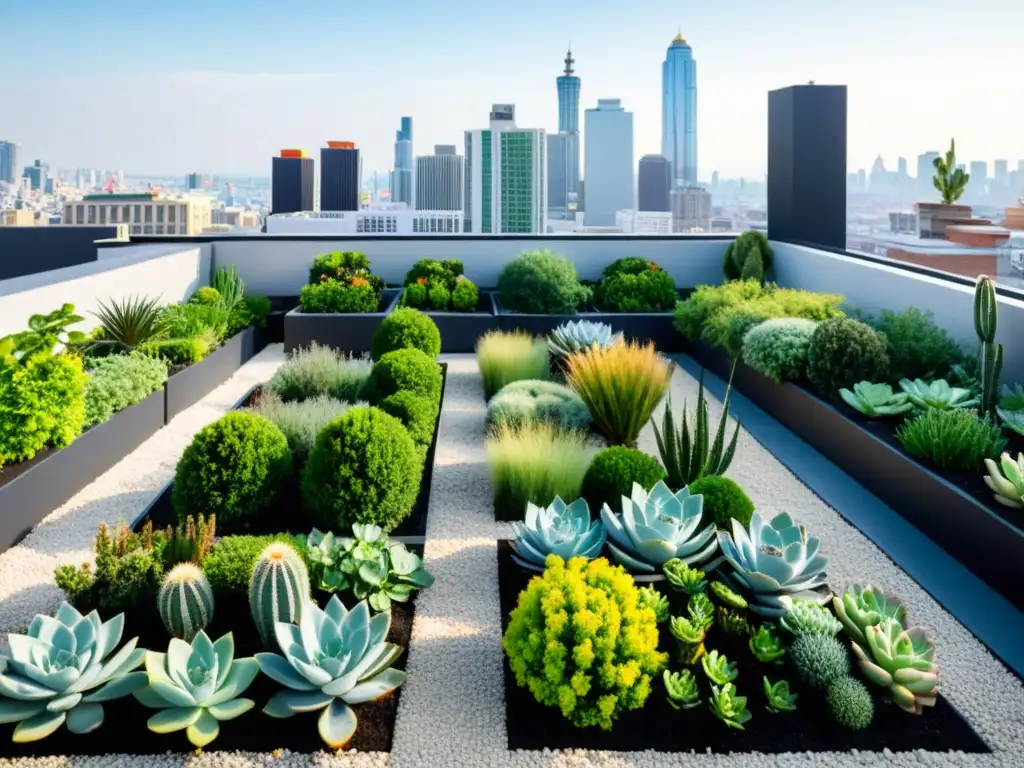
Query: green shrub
x,y
506,357
465,295
844,352
918,348
530,400
181,352
404,369
418,414
612,473
446,271
850,703
439,297
300,421
708,299
580,641
778,347
319,370
406,328
541,283
206,295
335,296
749,256
185,321
234,468
343,267
414,296
120,381
258,308
724,501
653,290
727,326
535,463
956,440
628,265
229,564
819,659
364,468
42,404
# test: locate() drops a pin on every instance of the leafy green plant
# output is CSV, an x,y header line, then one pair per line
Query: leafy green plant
x,y
182,352
724,500
612,473
819,659
728,326
652,290
44,334
120,381
415,296
335,296
319,371
728,707
692,314
445,271
438,295
718,669
608,662
649,597
628,265
206,294
683,578
950,180
229,285
529,400
506,357
876,401
990,354
778,347
844,352
186,321
689,636
541,283
230,563
1006,480
343,267
956,440
778,696
406,328
749,256
128,324
765,645
918,348
300,421
681,689
409,370
850,703
937,395
465,295
417,413
189,542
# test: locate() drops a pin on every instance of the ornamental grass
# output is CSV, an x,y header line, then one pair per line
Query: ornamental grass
x,y
507,357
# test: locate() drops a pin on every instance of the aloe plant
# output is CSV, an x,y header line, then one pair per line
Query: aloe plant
x,y
938,395
1006,480
681,689
876,400
128,323
778,696
729,707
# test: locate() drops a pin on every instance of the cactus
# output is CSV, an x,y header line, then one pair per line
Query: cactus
x,y
278,589
990,357
185,601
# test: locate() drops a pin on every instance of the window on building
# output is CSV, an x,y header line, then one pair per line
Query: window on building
x,y
148,229
138,213
92,214
159,214
171,210
126,214
149,216
159,229
103,214
80,214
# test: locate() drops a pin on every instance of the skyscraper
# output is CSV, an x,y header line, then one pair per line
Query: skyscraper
x,y
439,180
292,182
925,173
37,174
655,181
401,179
679,112
608,163
340,174
564,147
976,185
999,173
10,171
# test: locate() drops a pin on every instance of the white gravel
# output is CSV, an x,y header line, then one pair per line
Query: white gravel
x,y
451,711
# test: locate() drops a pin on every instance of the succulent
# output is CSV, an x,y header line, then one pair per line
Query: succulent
x,y
718,668
1011,398
938,395
658,526
559,529
334,659
1006,480
681,689
876,400
726,597
1012,420
850,703
766,645
690,637
61,670
805,618
731,610
776,562
580,334
683,578
196,687
990,354
278,589
728,707
651,598
819,659
861,607
185,601
701,611
902,660
778,696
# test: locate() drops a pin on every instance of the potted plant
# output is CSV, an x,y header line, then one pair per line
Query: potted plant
x,y
951,182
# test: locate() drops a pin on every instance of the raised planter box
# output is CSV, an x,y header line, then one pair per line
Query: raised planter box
x,y
31,490
187,387
347,332
461,330
983,540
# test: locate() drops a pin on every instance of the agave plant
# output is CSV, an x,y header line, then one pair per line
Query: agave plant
x,y
876,400
658,526
61,671
938,395
728,707
559,529
1006,480
196,687
776,563
861,607
580,334
681,689
902,660
335,658
129,323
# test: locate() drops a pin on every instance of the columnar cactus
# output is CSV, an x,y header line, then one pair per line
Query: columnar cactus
x,y
185,601
278,589
990,358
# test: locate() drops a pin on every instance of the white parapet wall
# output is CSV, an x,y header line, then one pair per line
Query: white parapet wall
x,y
169,273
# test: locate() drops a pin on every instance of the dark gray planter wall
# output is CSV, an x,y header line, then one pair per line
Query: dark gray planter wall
x,y
28,498
350,333
188,387
460,331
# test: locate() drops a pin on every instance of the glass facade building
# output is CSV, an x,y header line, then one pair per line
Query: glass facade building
x,y
340,174
608,163
679,112
401,178
563,148
654,183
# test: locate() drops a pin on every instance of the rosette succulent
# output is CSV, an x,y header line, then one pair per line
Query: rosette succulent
x,y
765,645
861,607
902,660
61,671
649,597
804,618
683,578
559,529
333,659
690,637
728,707
778,696
196,687
658,526
876,400
938,395
580,334
1006,480
701,610
681,689
718,668
776,562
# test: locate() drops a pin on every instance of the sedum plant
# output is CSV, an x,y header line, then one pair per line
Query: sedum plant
x,y
683,578
690,636
559,529
650,597
718,668
335,658
531,400
876,400
62,671
701,610
196,687
778,696
766,646
806,618
681,689
1006,480
902,660
576,335
728,707
938,395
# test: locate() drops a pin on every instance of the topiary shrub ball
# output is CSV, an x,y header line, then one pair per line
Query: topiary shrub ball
x,y
819,659
364,468
411,370
850,703
530,400
541,283
724,501
406,328
417,414
843,352
234,468
612,473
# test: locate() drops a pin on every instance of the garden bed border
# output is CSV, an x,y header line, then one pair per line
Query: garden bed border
x,y
460,331
350,332
187,387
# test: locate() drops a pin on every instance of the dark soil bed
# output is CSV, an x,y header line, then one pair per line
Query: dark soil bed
x,y
659,727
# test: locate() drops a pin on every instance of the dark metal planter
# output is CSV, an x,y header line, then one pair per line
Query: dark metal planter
x,y
33,494
188,387
461,330
347,332
983,542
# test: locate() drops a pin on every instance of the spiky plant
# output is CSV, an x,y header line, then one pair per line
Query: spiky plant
x,y
990,355
278,590
949,180
129,323
185,601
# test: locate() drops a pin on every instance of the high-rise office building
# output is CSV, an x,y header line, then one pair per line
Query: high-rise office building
x,y
691,209
999,173
439,180
340,174
564,147
608,162
679,112
401,178
194,181
978,183
654,183
925,173
37,173
292,182
10,171
505,190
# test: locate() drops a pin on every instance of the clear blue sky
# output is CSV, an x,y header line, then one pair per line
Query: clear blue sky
x,y
220,86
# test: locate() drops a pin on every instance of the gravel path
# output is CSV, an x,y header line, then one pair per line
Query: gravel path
x,y
452,711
